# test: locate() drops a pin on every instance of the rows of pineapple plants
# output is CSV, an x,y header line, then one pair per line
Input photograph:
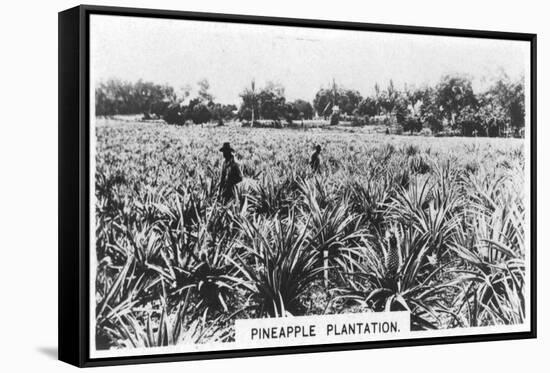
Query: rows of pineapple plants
x,y
434,228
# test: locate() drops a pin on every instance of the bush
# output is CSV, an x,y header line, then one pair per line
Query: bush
x,y
174,114
411,124
433,123
200,113
122,97
426,132
358,120
158,108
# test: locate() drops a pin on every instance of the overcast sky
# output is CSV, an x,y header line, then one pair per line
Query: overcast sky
x,y
180,53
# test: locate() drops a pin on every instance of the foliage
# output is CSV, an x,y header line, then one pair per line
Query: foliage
x,y
199,111
388,99
346,99
267,103
398,277
368,106
300,109
453,94
120,97
428,225
449,108
280,265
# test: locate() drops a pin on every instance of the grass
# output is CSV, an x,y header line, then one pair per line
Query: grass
x,y
431,225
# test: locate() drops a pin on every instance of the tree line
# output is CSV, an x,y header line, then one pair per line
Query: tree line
x,y
450,106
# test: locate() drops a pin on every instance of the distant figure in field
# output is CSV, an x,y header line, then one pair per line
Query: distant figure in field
x,y
231,173
315,161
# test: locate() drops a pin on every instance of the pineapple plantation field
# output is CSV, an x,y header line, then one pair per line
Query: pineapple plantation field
x,y
435,226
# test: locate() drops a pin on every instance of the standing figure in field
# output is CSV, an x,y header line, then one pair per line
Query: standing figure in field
x,y
231,174
315,161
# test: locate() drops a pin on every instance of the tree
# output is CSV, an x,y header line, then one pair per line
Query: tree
x,y
377,94
198,111
204,95
368,107
175,113
388,99
322,101
271,103
507,100
517,105
122,97
347,100
433,122
249,107
268,103
402,110
414,99
429,111
453,94
300,109
411,123
470,122
410,107
221,112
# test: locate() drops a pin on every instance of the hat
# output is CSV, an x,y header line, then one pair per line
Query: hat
x,y
226,148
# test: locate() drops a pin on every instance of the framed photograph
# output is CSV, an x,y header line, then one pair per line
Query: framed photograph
x,y
232,186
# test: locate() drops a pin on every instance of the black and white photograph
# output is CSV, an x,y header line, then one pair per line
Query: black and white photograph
x,y
261,186
286,186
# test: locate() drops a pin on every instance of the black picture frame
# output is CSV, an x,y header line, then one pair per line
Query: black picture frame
x,y
74,161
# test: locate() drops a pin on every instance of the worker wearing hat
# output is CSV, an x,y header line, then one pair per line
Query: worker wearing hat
x,y
231,173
